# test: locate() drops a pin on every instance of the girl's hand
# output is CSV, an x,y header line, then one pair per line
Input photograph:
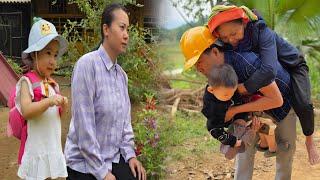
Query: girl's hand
x,y
65,101
56,100
256,124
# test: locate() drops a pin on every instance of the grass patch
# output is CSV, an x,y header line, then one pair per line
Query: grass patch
x,y
170,55
190,75
187,136
171,58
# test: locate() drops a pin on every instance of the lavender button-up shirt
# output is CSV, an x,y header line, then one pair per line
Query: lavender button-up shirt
x,y
100,127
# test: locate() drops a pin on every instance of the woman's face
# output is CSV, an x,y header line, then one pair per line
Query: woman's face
x,y
231,32
45,61
116,36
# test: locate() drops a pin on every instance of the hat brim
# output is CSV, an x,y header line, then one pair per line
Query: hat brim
x,y
43,42
191,62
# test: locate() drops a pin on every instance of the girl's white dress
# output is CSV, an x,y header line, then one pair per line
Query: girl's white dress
x,y
43,156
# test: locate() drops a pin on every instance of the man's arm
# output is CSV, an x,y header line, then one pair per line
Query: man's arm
x,y
271,99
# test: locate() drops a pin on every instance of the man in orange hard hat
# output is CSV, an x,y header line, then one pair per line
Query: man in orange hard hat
x,y
202,50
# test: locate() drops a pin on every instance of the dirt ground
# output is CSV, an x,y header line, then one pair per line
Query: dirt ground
x,y
215,166
208,166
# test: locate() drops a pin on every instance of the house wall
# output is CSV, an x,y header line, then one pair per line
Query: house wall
x,y
15,20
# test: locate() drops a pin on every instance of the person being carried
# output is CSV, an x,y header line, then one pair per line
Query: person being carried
x,y
219,95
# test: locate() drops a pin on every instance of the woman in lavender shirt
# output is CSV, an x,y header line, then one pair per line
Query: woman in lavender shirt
x,y
100,140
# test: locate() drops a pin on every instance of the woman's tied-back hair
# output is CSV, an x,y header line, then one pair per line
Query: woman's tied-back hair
x,y
108,16
223,76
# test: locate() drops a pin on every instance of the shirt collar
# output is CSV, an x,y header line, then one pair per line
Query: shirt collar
x,y
228,56
106,58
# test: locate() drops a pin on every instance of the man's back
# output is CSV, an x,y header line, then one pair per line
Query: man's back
x,y
246,63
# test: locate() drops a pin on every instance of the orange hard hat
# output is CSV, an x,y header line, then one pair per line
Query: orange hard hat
x,y
194,42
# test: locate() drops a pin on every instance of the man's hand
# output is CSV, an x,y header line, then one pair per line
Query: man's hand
x,y
242,90
230,114
110,176
137,169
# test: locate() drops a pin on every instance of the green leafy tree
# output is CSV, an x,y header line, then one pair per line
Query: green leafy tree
x,y
194,9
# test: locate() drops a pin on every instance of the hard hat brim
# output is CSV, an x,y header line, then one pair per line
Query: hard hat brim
x,y
191,62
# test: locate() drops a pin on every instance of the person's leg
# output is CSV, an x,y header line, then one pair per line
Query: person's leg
x,y
263,141
271,141
243,132
303,106
285,132
313,154
301,91
75,175
122,170
245,162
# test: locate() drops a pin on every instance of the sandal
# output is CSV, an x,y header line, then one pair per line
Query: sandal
x,y
269,154
261,149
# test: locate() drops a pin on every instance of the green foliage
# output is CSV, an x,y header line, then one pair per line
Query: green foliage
x,y
139,61
150,146
171,59
312,50
188,136
194,9
15,66
158,137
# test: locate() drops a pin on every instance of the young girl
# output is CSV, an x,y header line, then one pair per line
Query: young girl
x,y
43,157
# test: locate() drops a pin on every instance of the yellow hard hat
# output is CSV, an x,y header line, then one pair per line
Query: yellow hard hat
x,y
194,42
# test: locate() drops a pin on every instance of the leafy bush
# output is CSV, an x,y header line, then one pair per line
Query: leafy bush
x,y
15,66
150,146
138,62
